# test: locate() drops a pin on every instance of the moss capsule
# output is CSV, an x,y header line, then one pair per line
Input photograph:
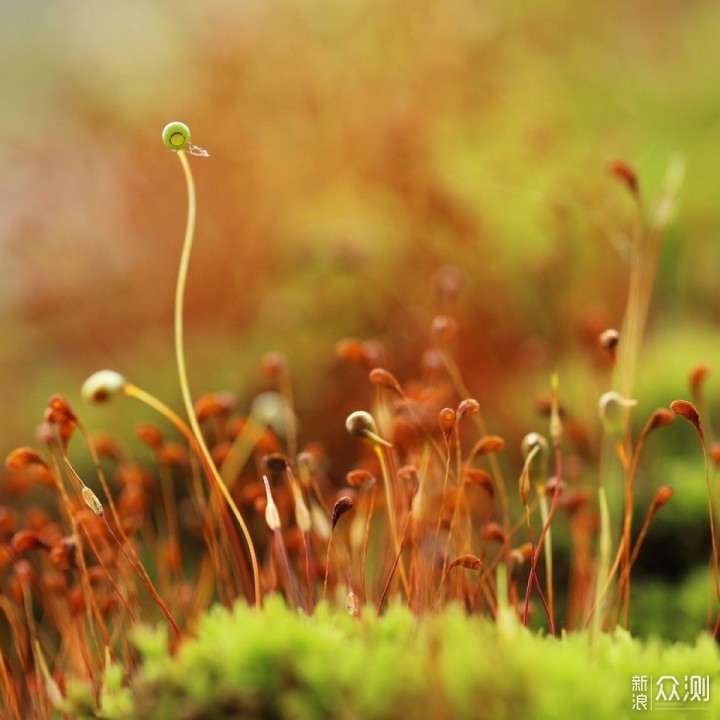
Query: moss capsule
x,y
176,136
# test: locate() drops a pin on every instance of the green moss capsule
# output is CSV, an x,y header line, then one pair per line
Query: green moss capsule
x,y
176,135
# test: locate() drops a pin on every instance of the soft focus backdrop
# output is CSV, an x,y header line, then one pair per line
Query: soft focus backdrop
x,y
356,148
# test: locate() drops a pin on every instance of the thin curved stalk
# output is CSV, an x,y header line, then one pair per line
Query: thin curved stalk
x,y
182,373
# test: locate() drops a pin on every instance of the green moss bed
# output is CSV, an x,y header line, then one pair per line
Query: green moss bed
x,y
280,664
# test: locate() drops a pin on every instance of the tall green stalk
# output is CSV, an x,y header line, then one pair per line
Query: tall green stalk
x,y
182,371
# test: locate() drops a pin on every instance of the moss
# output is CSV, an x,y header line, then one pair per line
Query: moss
x,y
281,664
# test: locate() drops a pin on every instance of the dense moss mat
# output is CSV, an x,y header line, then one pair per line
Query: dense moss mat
x,y
279,664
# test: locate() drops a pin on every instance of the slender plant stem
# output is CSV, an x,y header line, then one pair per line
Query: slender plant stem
x,y
327,565
146,581
210,472
392,516
365,544
605,550
460,386
182,372
545,516
11,695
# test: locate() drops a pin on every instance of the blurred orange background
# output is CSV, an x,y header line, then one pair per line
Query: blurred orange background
x,y
356,148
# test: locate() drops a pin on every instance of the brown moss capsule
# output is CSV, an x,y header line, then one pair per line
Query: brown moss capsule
x,y
576,500
448,282
368,353
62,554
133,500
662,495
444,329
493,532
474,476
273,365
696,379
343,505
623,172
687,410
446,420
660,418
519,556
715,453
275,462
26,540
211,405
131,474
356,478
487,444
468,408
108,447
150,435
173,453
469,562
385,379
51,533
267,442
554,486
22,457
61,406
8,520
24,572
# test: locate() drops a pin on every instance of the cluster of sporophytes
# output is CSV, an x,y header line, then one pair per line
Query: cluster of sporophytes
x,y
234,510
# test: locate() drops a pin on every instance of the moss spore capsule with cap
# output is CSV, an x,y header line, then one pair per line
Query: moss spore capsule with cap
x,y
176,135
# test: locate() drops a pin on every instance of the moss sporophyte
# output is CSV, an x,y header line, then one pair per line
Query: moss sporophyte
x,y
239,543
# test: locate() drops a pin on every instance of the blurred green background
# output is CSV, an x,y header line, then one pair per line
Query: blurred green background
x,y
357,147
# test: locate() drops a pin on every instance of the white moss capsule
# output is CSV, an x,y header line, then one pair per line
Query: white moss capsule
x,y
535,450
362,424
531,440
272,516
614,411
91,500
302,514
176,135
102,385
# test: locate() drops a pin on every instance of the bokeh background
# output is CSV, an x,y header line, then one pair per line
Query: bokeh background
x,y
357,149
